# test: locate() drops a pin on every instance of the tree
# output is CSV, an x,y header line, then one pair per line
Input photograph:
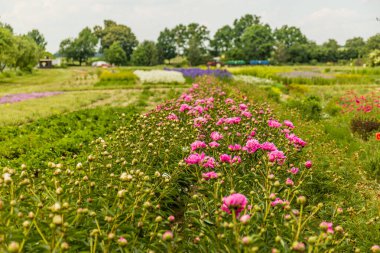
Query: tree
x,y
223,40
329,51
113,32
38,38
6,26
27,53
257,42
115,54
145,54
373,43
81,48
6,48
374,58
241,24
166,45
353,48
289,36
184,34
194,53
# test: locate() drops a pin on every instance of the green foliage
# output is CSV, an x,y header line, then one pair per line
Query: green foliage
x,y
310,107
257,42
145,54
115,54
166,45
26,54
6,48
364,126
223,40
123,77
113,32
194,54
374,58
38,38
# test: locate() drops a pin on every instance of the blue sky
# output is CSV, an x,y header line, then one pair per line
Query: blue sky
x,y
318,19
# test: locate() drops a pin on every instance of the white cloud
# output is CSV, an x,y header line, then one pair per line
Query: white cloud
x,y
328,14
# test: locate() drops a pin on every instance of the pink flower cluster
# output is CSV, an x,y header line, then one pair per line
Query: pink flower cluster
x,y
235,202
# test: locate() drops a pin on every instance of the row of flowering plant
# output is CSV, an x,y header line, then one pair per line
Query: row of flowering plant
x,y
207,172
197,72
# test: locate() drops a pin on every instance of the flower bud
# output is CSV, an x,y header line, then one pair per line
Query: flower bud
x,y
167,236
301,200
13,247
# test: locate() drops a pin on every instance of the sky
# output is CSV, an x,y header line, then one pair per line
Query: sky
x,y
319,20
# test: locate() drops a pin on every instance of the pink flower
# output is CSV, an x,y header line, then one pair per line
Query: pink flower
x,y
268,146
225,158
173,117
220,122
197,144
214,144
274,123
252,146
327,226
229,101
122,241
235,202
216,136
288,124
277,156
236,159
243,107
308,164
295,140
209,175
184,107
200,121
235,147
209,162
167,236
246,114
233,120
245,218
277,201
293,170
171,218
195,158
375,248
289,182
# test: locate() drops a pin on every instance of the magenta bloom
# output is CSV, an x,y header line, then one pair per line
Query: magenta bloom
x,y
327,226
252,146
236,159
289,182
208,162
197,144
234,147
235,202
233,120
308,164
173,117
277,156
195,158
268,146
225,158
277,201
200,121
274,123
246,114
184,107
215,136
243,107
293,170
229,101
245,218
209,175
295,140
167,236
289,124
214,144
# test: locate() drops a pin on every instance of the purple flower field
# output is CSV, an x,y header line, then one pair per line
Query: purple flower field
x,y
14,98
195,72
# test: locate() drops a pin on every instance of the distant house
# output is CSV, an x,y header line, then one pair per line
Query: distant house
x,y
45,63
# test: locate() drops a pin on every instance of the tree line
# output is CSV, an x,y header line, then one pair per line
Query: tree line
x,y
20,51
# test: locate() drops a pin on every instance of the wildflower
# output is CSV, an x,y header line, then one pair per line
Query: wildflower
x,y
122,241
308,164
295,140
234,147
288,124
197,144
233,120
268,146
173,117
277,156
209,175
171,218
252,146
246,114
243,107
225,158
167,236
245,218
208,162
236,159
184,107
274,123
293,170
200,121
277,201
235,202
327,226
229,101
214,144
216,136
194,158
289,182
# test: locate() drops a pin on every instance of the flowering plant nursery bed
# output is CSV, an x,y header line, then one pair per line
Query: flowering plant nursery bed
x,y
14,98
207,172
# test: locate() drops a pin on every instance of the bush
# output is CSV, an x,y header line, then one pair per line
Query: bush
x,y
364,127
310,107
116,78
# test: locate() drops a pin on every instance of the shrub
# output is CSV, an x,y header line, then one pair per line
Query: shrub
x,y
364,127
310,107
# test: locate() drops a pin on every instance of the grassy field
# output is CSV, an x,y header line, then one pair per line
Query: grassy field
x,y
94,133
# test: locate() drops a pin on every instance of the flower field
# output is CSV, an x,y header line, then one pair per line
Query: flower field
x,y
207,171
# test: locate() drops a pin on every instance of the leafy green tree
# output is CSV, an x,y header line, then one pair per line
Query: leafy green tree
x,y
6,26
113,32
373,43
115,54
374,58
223,40
38,38
181,36
329,51
166,45
27,53
194,54
355,48
193,31
241,24
6,48
257,42
81,48
145,54
289,36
